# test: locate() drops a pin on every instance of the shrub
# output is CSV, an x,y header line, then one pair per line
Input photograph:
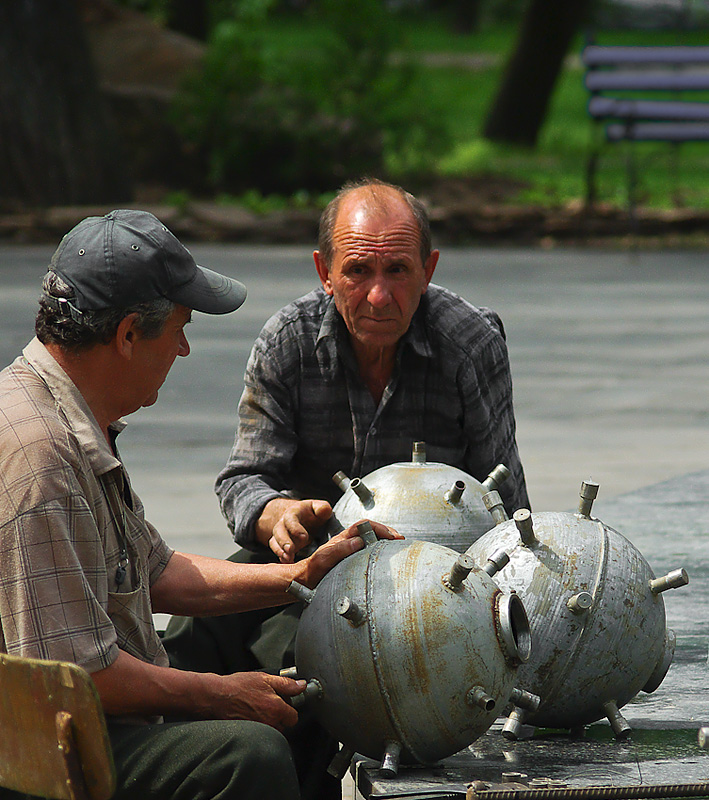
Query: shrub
x,y
305,120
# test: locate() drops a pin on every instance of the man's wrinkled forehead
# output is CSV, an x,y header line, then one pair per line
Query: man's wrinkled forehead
x,y
368,221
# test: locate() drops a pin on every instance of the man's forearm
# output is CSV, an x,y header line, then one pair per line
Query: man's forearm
x,y
193,585
130,687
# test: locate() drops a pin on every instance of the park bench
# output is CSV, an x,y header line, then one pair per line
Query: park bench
x,y
639,93
53,740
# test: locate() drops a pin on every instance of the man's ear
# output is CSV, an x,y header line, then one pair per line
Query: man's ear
x,y
127,334
323,272
430,266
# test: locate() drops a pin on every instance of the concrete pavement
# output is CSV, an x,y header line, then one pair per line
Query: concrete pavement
x,y
608,354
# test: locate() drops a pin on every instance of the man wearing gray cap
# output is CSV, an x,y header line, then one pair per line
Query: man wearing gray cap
x,y
81,569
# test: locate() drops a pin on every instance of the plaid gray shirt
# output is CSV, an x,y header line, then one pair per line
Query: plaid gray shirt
x,y
305,413
65,508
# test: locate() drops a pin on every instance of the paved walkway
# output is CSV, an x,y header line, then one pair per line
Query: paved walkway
x,y
608,350
608,354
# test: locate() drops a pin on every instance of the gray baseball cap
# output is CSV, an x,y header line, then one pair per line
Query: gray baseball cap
x,y
129,257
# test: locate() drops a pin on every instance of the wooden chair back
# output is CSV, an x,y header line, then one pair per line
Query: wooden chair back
x,y
53,740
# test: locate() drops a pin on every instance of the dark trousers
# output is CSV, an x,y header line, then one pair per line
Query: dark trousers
x,y
258,640
199,760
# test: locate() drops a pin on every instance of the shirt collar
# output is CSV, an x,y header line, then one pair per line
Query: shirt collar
x,y
71,401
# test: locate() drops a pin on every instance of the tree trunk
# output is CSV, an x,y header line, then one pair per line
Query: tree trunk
x,y
56,143
190,17
520,106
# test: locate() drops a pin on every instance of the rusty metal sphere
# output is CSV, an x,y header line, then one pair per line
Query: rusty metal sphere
x,y
414,650
421,499
596,615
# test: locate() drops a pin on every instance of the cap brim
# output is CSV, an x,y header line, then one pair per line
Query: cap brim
x,y
210,292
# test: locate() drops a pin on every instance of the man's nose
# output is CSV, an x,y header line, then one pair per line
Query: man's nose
x,y
184,348
379,294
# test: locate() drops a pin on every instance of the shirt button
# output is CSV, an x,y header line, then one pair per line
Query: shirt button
x,y
373,430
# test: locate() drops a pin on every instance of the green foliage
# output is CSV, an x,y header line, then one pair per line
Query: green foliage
x,y
282,120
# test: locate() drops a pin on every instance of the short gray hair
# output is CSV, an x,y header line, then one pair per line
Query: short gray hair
x,y
79,331
329,215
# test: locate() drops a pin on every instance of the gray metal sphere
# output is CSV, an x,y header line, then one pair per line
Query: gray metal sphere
x,y
595,610
421,499
413,651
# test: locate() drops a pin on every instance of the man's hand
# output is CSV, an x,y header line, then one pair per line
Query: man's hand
x,y
286,525
258,696
339,547
133,687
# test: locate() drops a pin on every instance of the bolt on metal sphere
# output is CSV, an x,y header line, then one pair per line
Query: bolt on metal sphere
x,y
421,499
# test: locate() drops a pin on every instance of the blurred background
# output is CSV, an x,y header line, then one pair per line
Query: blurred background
x,y
269,105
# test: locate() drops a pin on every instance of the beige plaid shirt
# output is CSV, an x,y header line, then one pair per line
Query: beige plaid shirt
x,y
66,513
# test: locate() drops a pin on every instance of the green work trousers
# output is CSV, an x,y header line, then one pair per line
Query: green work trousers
x,y
199,760
258,640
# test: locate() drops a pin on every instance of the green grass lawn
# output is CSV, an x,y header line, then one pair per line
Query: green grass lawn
x,y
554,171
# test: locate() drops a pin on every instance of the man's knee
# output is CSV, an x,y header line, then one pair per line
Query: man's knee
x,y
261,757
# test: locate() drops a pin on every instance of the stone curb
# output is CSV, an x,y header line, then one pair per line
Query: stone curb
x,y
454,224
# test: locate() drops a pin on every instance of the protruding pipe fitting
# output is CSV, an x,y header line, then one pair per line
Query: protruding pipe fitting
x,y
525,526
513,724
496,478
619,724
341,481
341,762
497,561
525,699
418,454
362,491
390,760
579,603
461,569
350,611
493,503
588,493
301,592
477,696
312,691
366,531
673,580
289,672
454,494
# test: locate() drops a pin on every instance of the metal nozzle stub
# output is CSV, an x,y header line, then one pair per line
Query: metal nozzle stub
x,y
366,531
588,493
341,481
496,478
418,453
390,760
493,503
525,526
579,602
301,592
673,580
463,566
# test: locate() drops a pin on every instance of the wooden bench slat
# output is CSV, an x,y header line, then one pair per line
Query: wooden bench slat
x,y
625,108
658,132
647,80
611,55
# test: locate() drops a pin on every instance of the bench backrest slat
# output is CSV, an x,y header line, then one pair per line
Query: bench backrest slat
x,y
648,81
612,55
658,132
630,109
